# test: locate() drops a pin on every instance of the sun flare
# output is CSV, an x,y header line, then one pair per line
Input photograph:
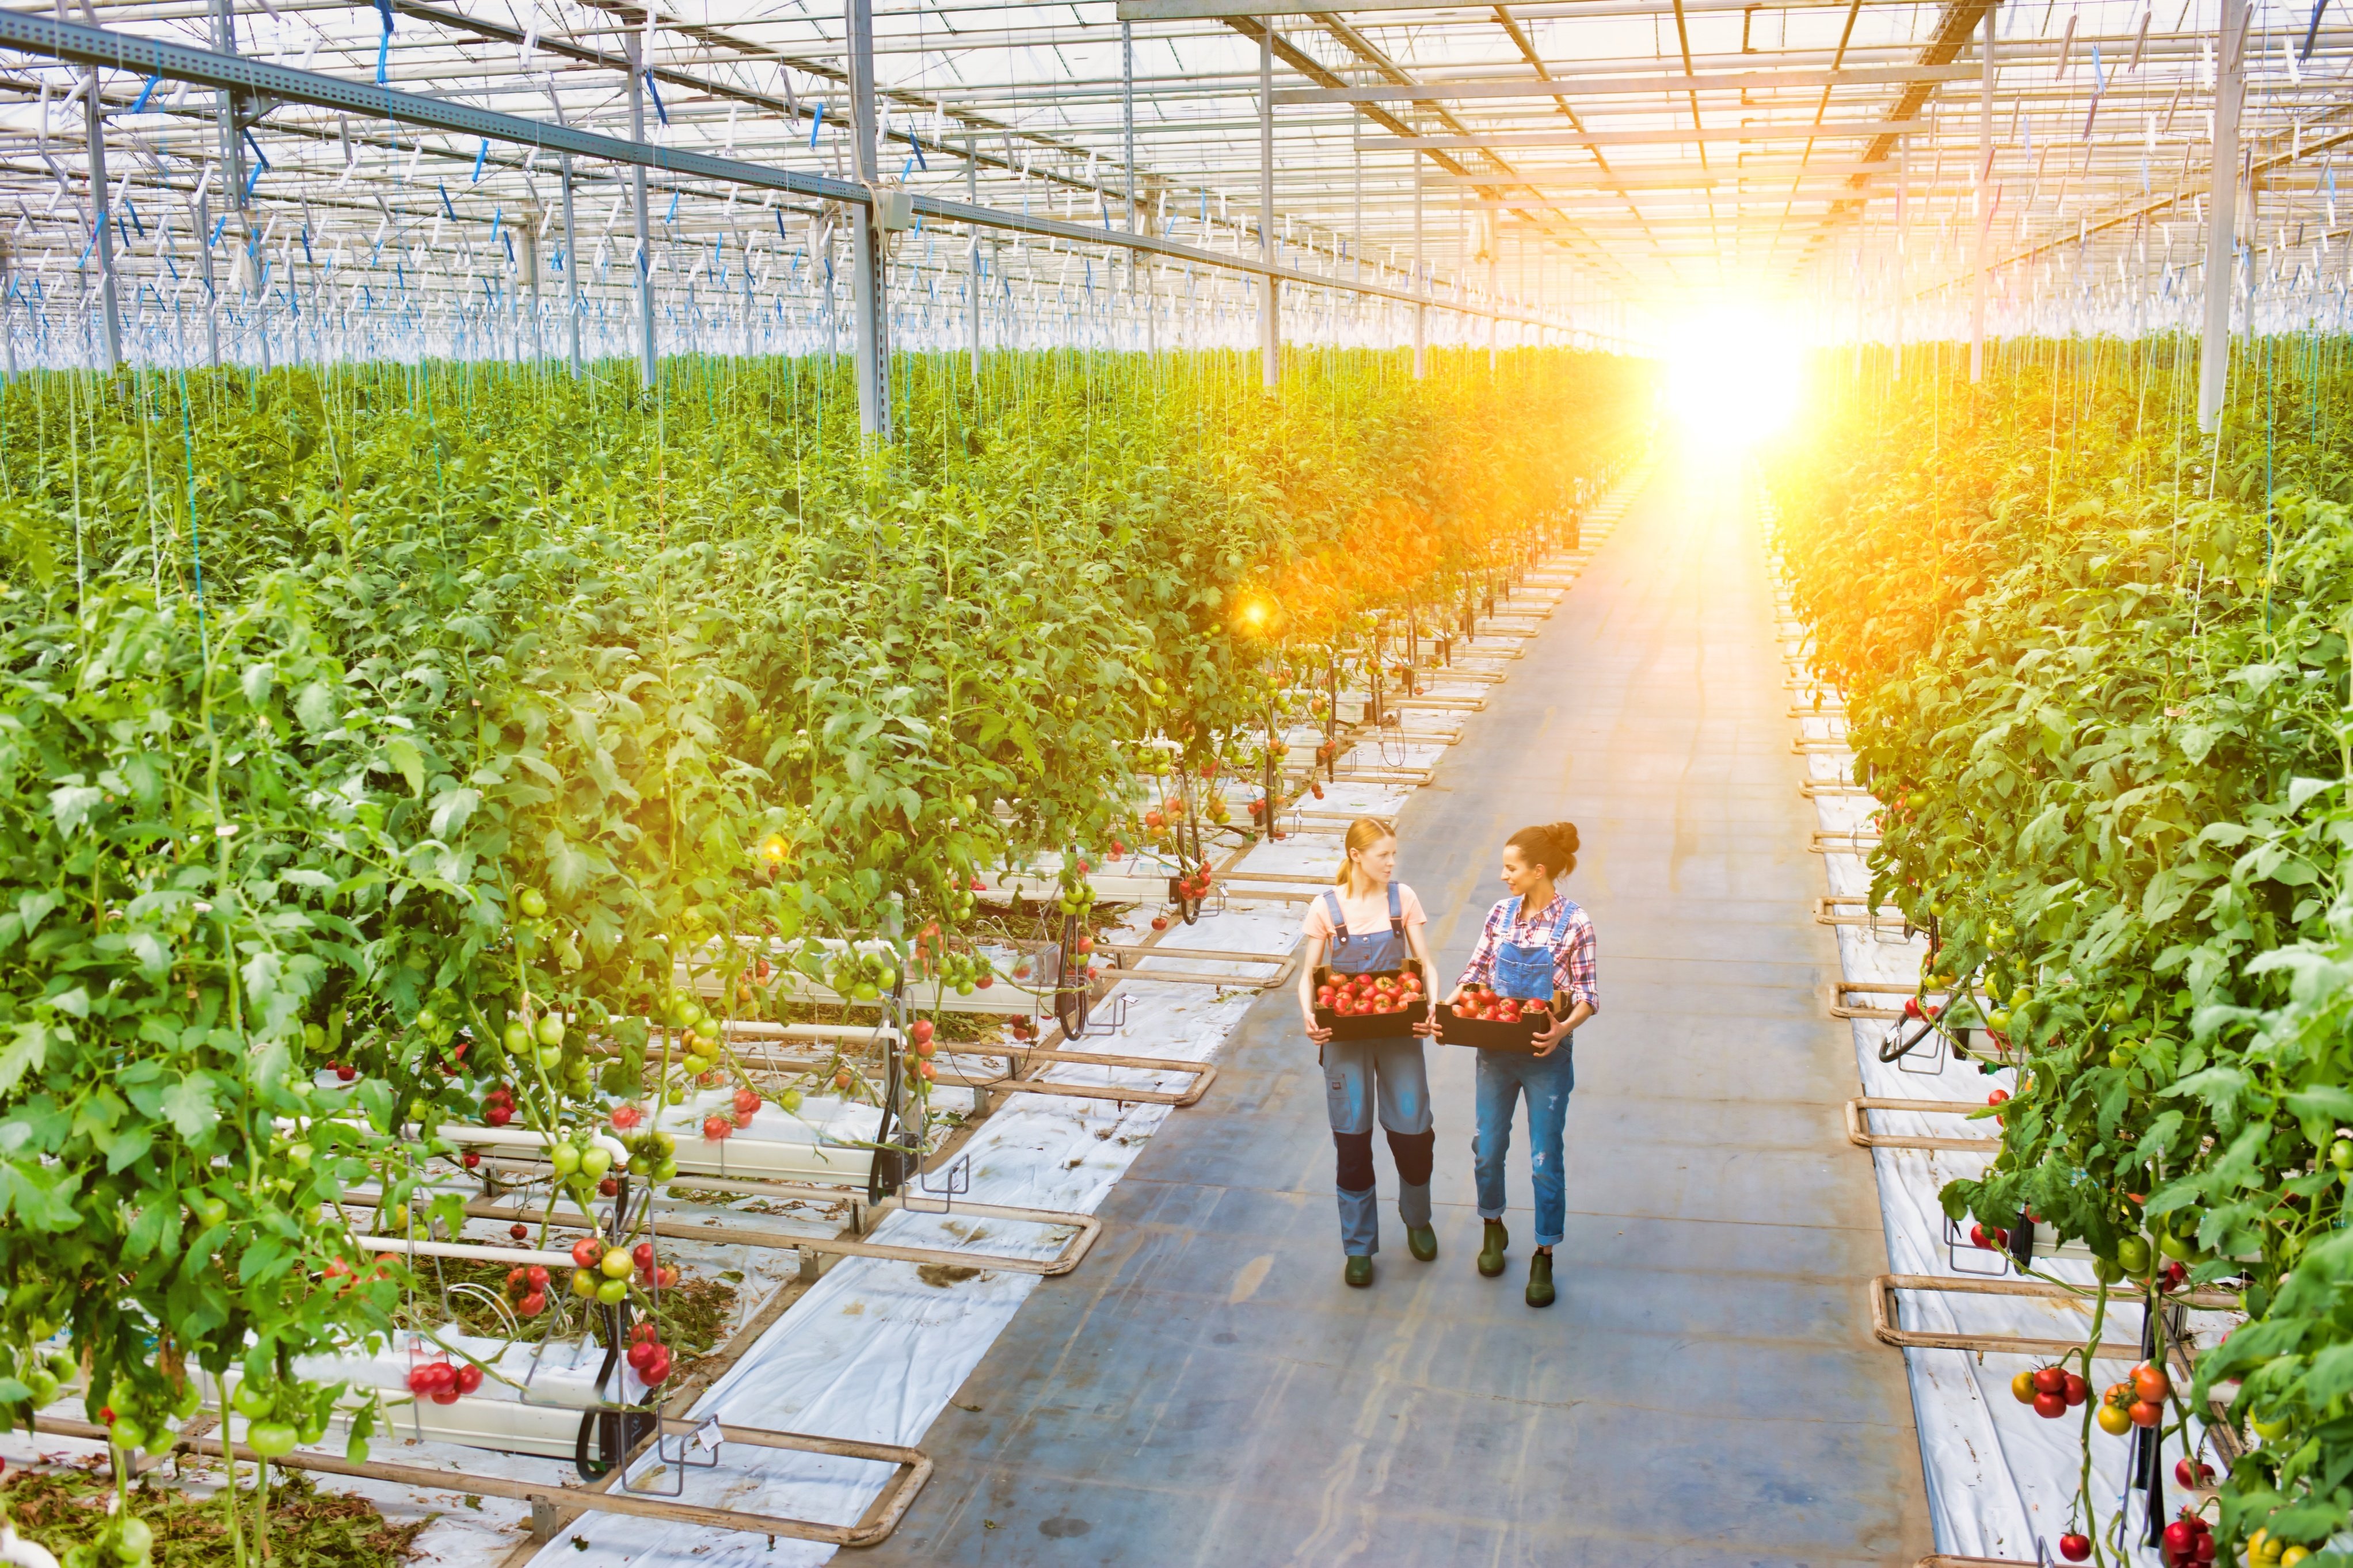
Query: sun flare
x,y
1734,376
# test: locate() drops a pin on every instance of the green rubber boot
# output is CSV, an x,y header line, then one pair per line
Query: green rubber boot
x,y
1359,1272
1540,1291
1422,1242
1490,1251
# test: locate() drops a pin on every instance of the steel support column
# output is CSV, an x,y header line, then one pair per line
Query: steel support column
x,y
2222,226
1269,329
1985,198
101,223
571,268
646,229
869,296
972,268
1421,283
646,366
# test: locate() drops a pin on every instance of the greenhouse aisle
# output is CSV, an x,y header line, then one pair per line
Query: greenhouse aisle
x,y
1706,1391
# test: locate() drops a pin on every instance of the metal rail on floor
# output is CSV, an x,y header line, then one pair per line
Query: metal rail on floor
x,y
1859,1133
914,1468
1886,1329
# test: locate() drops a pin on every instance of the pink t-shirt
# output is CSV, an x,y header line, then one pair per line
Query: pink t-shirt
x,y
1366,916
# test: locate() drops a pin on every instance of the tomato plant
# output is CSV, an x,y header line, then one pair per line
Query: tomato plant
x,y
2096,665
392,747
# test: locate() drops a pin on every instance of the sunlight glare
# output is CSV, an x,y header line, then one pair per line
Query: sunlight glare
x,y
1734,376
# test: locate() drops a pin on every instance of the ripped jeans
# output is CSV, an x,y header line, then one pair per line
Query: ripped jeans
x,y
1503,1075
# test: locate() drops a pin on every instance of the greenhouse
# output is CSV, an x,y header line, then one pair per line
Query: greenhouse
x,y
773,771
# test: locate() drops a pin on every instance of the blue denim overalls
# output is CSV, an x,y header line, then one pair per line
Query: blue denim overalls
x,y
1366,954
1527,972
1387,1075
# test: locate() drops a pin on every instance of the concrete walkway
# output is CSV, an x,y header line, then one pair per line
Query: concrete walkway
x,y
1707,1392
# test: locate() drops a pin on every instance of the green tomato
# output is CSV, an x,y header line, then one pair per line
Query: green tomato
x,y
673,1097
594,1161
549,1030
270,1439
564,1157
2132,1254
666,1172
41,1387
516,1037
2107,1270
132,1538
617,1264
865,991
1998,1021
613,1292
252,1400
584,1282
2340,1153
2270,1429
531,902
2179,1248
299,1154
211,1210
61,1366
314,1038
550,1057
790,1100
127,1434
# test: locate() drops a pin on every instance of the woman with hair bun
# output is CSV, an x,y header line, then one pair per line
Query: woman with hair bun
x,y
1369,924
1537,946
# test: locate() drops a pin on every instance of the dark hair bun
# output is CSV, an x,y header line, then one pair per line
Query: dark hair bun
x,y
1552,846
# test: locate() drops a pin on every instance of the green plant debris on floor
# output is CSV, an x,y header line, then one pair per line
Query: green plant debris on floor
x,y
63,1507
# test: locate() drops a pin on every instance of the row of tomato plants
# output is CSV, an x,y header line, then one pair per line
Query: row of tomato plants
x,y
431,724
2096,671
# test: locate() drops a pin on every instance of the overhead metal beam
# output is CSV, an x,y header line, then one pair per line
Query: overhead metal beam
x,y
1597,86
1665,136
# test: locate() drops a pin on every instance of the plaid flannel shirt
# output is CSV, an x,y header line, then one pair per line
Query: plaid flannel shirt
x,y
1575,970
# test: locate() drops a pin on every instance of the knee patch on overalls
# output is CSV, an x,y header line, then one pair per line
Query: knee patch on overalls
x,y
1355,1172
1414,1153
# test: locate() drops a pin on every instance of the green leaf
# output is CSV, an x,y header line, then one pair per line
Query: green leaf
x,y
188,1106
403,757
28,1051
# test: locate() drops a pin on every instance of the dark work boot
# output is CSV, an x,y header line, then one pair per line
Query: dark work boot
x,y
1359,1271
1540,1293
1491,1250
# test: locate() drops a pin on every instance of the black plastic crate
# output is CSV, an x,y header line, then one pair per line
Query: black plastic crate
x,y
1374,1026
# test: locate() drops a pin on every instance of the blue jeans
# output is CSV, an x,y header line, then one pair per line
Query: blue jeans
x,y
1503,1075
1387,1078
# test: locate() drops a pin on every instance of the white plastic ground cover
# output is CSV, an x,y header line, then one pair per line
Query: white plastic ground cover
x,y
2000,1478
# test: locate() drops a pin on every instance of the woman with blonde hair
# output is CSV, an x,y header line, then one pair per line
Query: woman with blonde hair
x,y
1538,947
1369,923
